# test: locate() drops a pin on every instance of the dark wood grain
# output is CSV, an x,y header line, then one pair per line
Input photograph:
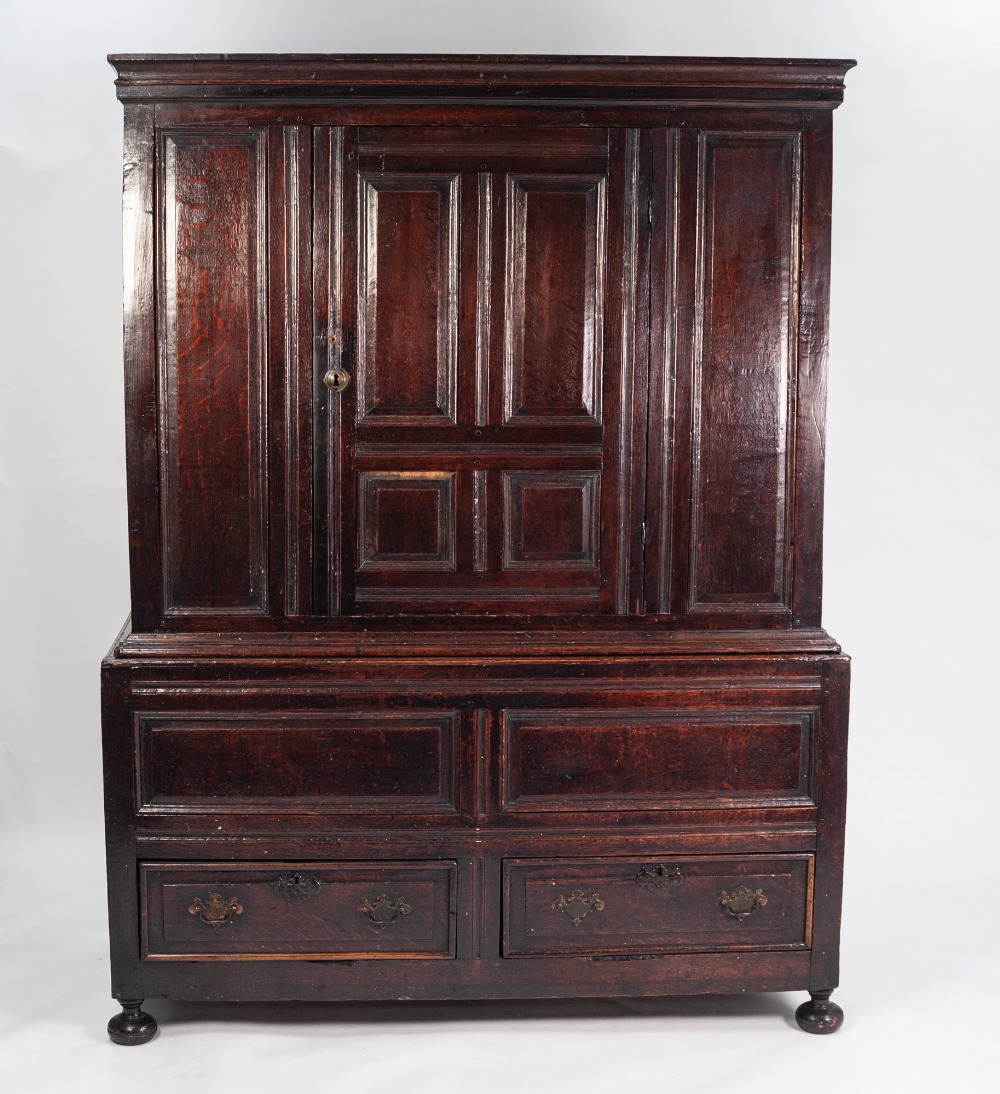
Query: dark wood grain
x,y
212,319
620,80
329,921
408,297
499,673
748,205
142,436
641,759
617,915
811,375
314,762
484,261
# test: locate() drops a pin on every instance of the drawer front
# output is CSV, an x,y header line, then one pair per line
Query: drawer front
x,y
299,910
647,759
303,762
668,905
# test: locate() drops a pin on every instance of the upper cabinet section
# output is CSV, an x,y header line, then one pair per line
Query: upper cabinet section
x,y
489,336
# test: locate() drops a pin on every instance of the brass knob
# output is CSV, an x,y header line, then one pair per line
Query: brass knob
x,y
337,379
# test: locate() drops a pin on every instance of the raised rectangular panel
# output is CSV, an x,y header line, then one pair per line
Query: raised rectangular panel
x,y
212,329
550,520
647,759
408,299
406,520
744,370
300,762
553,298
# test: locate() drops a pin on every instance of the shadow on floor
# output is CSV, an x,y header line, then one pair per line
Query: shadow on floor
x,y
172,1013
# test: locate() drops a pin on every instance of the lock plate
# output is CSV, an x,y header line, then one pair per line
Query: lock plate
x,y
337,379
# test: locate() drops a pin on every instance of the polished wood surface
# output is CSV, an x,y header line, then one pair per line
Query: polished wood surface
x,y
298,911
602,907
475,415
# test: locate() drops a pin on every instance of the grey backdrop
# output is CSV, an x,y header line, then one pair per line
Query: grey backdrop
x,y
912,498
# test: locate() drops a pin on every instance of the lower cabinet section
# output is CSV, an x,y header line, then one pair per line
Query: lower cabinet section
x,y
314,910
416,829
623,906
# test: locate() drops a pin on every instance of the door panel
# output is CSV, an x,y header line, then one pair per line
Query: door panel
x,y
550,519
475,464
408,299
553,298
406,520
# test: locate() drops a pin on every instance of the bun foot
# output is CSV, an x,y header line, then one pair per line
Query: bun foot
x,y
820,1015
133,1026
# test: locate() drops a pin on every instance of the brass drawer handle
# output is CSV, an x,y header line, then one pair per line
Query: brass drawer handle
x,y
337,379
578,906
214,910
296,888
742,901
659,879
384,910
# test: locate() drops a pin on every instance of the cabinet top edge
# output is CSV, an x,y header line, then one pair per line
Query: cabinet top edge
x,y
151,76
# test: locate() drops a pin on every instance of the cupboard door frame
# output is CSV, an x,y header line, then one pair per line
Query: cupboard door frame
x,y
483,569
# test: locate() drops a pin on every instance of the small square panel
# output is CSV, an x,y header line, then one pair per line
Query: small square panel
x,y
550,520
406,520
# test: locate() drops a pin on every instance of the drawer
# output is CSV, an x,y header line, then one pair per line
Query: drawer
x,y
298,762
666,905
298,910
582,760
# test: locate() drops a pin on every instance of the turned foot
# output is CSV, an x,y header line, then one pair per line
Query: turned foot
x,y
133,1026
820,1015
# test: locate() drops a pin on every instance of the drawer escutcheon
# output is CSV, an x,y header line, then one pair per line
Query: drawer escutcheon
x,y
297,888
659,879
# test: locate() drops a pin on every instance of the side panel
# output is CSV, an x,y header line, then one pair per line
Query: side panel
x,y
727,515
213,320
139,278
742,383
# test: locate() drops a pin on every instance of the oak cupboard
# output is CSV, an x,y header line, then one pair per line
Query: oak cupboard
x,y
475,424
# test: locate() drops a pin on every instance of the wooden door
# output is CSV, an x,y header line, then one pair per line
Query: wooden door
x,y
474,283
